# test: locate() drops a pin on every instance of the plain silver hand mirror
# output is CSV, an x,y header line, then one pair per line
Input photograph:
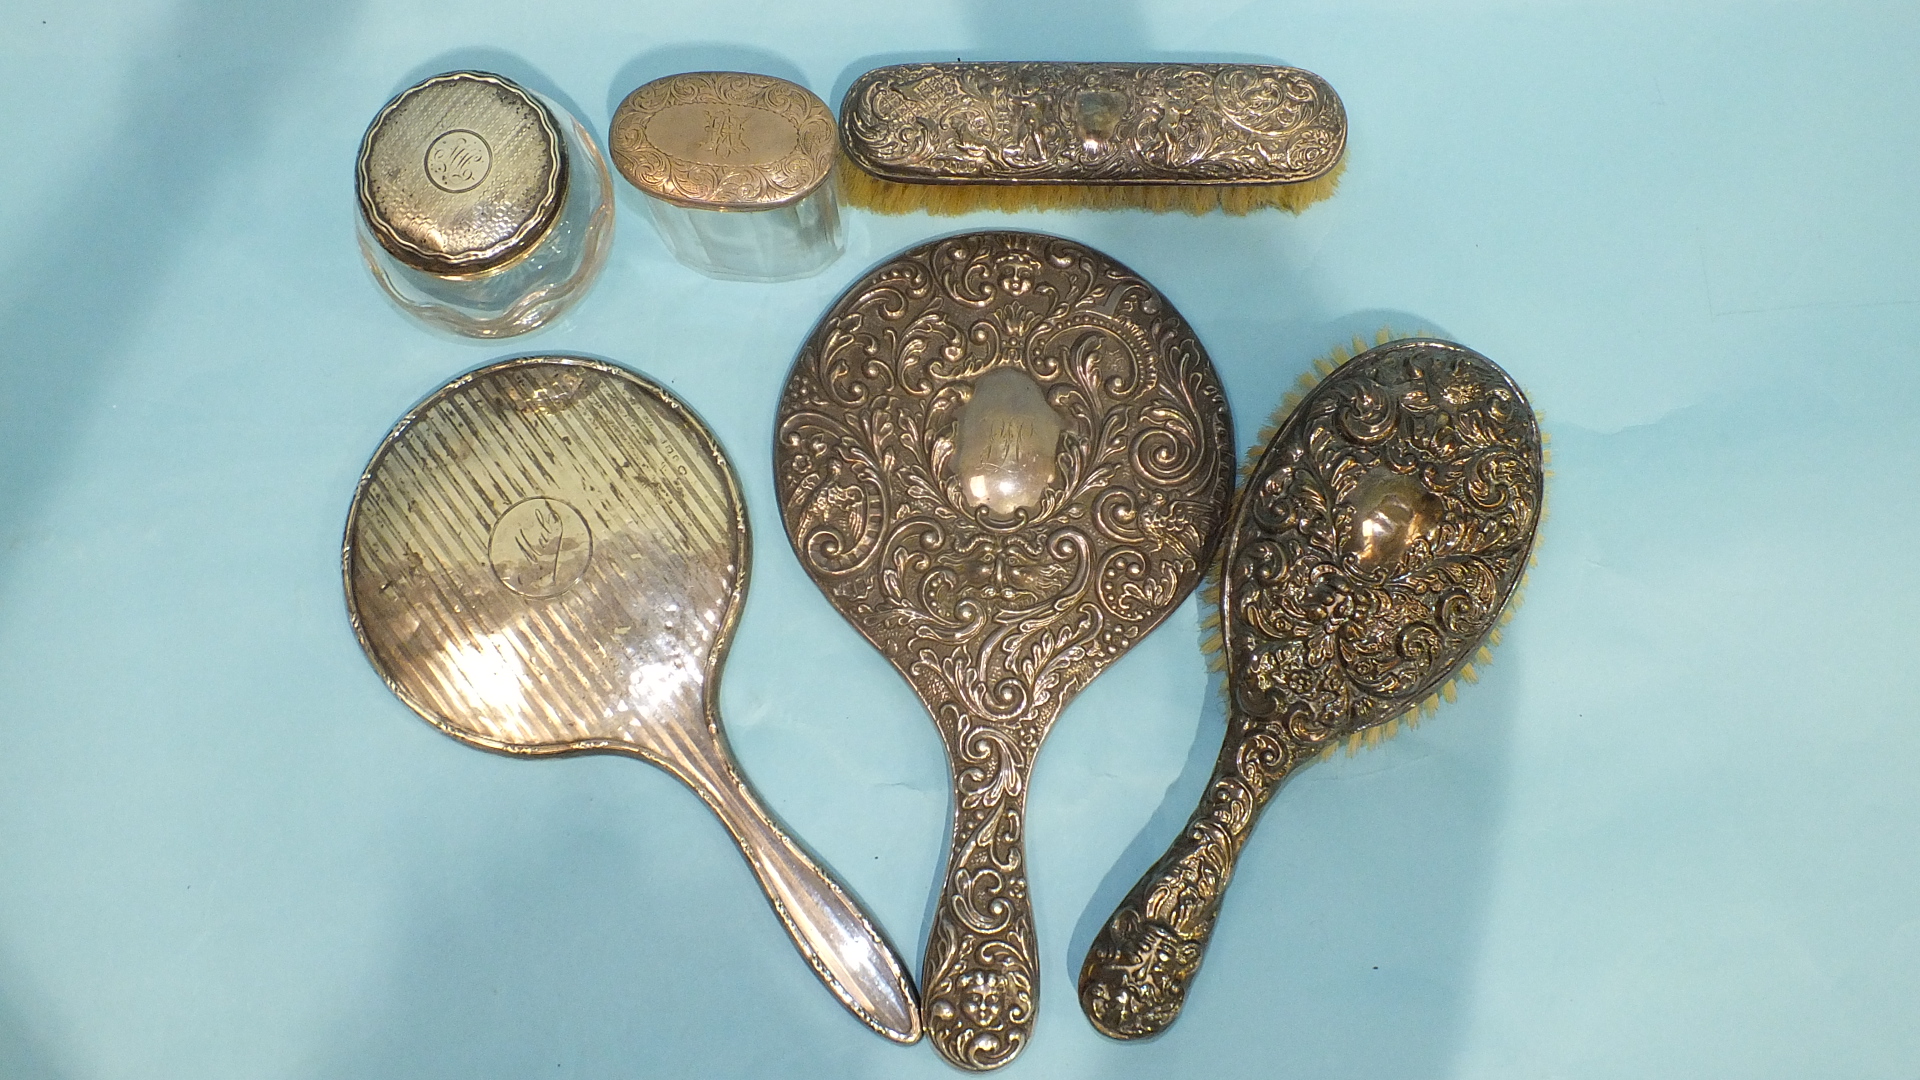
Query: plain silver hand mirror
x,y
548,556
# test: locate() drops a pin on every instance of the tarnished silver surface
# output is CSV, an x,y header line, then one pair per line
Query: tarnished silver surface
x,y
1373,549
462,173
548,556
1046,365
1075,123
723,140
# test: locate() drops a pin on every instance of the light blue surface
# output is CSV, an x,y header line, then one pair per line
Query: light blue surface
x,y
1671,833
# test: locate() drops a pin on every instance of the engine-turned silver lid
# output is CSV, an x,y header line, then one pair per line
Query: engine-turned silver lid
x,y
462,173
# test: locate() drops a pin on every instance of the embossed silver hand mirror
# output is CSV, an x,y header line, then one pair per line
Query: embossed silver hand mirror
x,y
1375,544
1004,458
548,556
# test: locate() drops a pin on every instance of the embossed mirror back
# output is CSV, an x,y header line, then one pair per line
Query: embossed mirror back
x,y
546,555
1005,458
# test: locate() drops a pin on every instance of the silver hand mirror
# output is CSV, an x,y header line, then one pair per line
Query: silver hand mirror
x,y
1374,546
1005,458
548,556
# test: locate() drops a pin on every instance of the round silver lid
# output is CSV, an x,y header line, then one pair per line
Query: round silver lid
x,y
462,174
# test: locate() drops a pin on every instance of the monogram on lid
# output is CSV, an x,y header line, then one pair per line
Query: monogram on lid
x,y
736,166
484,208
462,173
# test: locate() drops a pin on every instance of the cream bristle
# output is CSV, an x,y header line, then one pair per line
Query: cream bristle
x,y
1325,366
1431,705
1468,673
1484,657
861,188
1450,691
1382,336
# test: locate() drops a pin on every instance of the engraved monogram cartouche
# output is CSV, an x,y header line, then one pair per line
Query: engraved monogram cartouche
x,y
1375,544
548,556
1005,458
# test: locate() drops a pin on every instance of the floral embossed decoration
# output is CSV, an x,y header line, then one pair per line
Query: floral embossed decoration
x,y
1376,543
996,613
1090,123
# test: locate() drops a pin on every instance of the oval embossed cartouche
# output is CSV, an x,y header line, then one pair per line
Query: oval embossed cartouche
x,y
548,556
736,172
485,209
1374,547
1005,458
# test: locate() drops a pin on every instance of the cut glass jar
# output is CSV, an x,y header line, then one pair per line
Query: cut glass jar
x,y
485,209
737,171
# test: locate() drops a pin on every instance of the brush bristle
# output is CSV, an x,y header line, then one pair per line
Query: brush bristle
x,y
867,191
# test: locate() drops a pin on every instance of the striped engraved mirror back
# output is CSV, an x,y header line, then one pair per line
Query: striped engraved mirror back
x,y
548,555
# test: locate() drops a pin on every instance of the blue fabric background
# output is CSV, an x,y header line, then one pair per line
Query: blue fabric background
x,y
1671,833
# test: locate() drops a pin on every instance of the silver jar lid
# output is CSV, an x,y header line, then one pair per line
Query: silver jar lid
x,y
462,174
724,140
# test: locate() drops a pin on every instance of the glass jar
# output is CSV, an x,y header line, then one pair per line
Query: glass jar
x,y
484,209
737,170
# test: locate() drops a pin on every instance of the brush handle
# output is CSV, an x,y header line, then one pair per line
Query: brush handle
x,y
981,981
1135,977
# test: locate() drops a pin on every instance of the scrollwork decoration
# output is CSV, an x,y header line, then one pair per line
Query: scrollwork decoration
x,y
998,619
1093,123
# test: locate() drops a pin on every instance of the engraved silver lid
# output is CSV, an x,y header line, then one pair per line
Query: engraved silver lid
x,y
462,173
724,140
